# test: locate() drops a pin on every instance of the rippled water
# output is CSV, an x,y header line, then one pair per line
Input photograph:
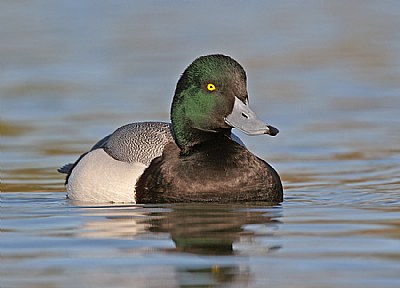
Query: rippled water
x,y
326,73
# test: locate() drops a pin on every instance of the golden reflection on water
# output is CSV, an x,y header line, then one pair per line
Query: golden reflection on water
x,y
31,180
11,129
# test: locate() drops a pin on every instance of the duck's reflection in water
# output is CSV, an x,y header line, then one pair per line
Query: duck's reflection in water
x,y
197,230
214,229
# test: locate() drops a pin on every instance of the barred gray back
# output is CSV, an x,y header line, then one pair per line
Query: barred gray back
x,y
138,142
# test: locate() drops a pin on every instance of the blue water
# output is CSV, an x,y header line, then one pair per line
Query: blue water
x,y
326,73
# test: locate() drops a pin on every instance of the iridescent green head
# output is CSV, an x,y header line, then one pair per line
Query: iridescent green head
x,y
211,97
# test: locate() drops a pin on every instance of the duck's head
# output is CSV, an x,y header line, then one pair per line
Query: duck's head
x,y
211,97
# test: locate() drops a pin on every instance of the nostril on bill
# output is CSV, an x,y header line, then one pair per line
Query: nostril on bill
x,y
245,115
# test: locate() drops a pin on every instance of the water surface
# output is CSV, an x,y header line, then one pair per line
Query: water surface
x,y
325,73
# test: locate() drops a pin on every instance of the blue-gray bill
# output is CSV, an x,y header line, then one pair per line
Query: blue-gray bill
x,y
244,119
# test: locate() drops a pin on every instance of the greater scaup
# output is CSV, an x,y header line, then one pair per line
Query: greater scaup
x,y
196,158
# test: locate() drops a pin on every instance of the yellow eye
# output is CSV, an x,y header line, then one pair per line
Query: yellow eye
x,y
211,87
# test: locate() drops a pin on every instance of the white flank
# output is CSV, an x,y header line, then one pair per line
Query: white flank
x,y
100,178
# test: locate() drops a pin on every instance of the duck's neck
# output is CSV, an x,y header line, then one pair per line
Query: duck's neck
x,y
187,138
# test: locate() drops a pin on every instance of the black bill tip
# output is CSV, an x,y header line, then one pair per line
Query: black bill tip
x,y
272,130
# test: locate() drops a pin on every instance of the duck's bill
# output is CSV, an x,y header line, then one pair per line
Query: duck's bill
x,y
244,119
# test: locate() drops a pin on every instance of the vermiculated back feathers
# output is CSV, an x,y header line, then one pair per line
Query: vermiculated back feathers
x,y
139,142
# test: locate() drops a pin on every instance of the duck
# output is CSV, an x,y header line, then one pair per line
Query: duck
x,y
194,158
